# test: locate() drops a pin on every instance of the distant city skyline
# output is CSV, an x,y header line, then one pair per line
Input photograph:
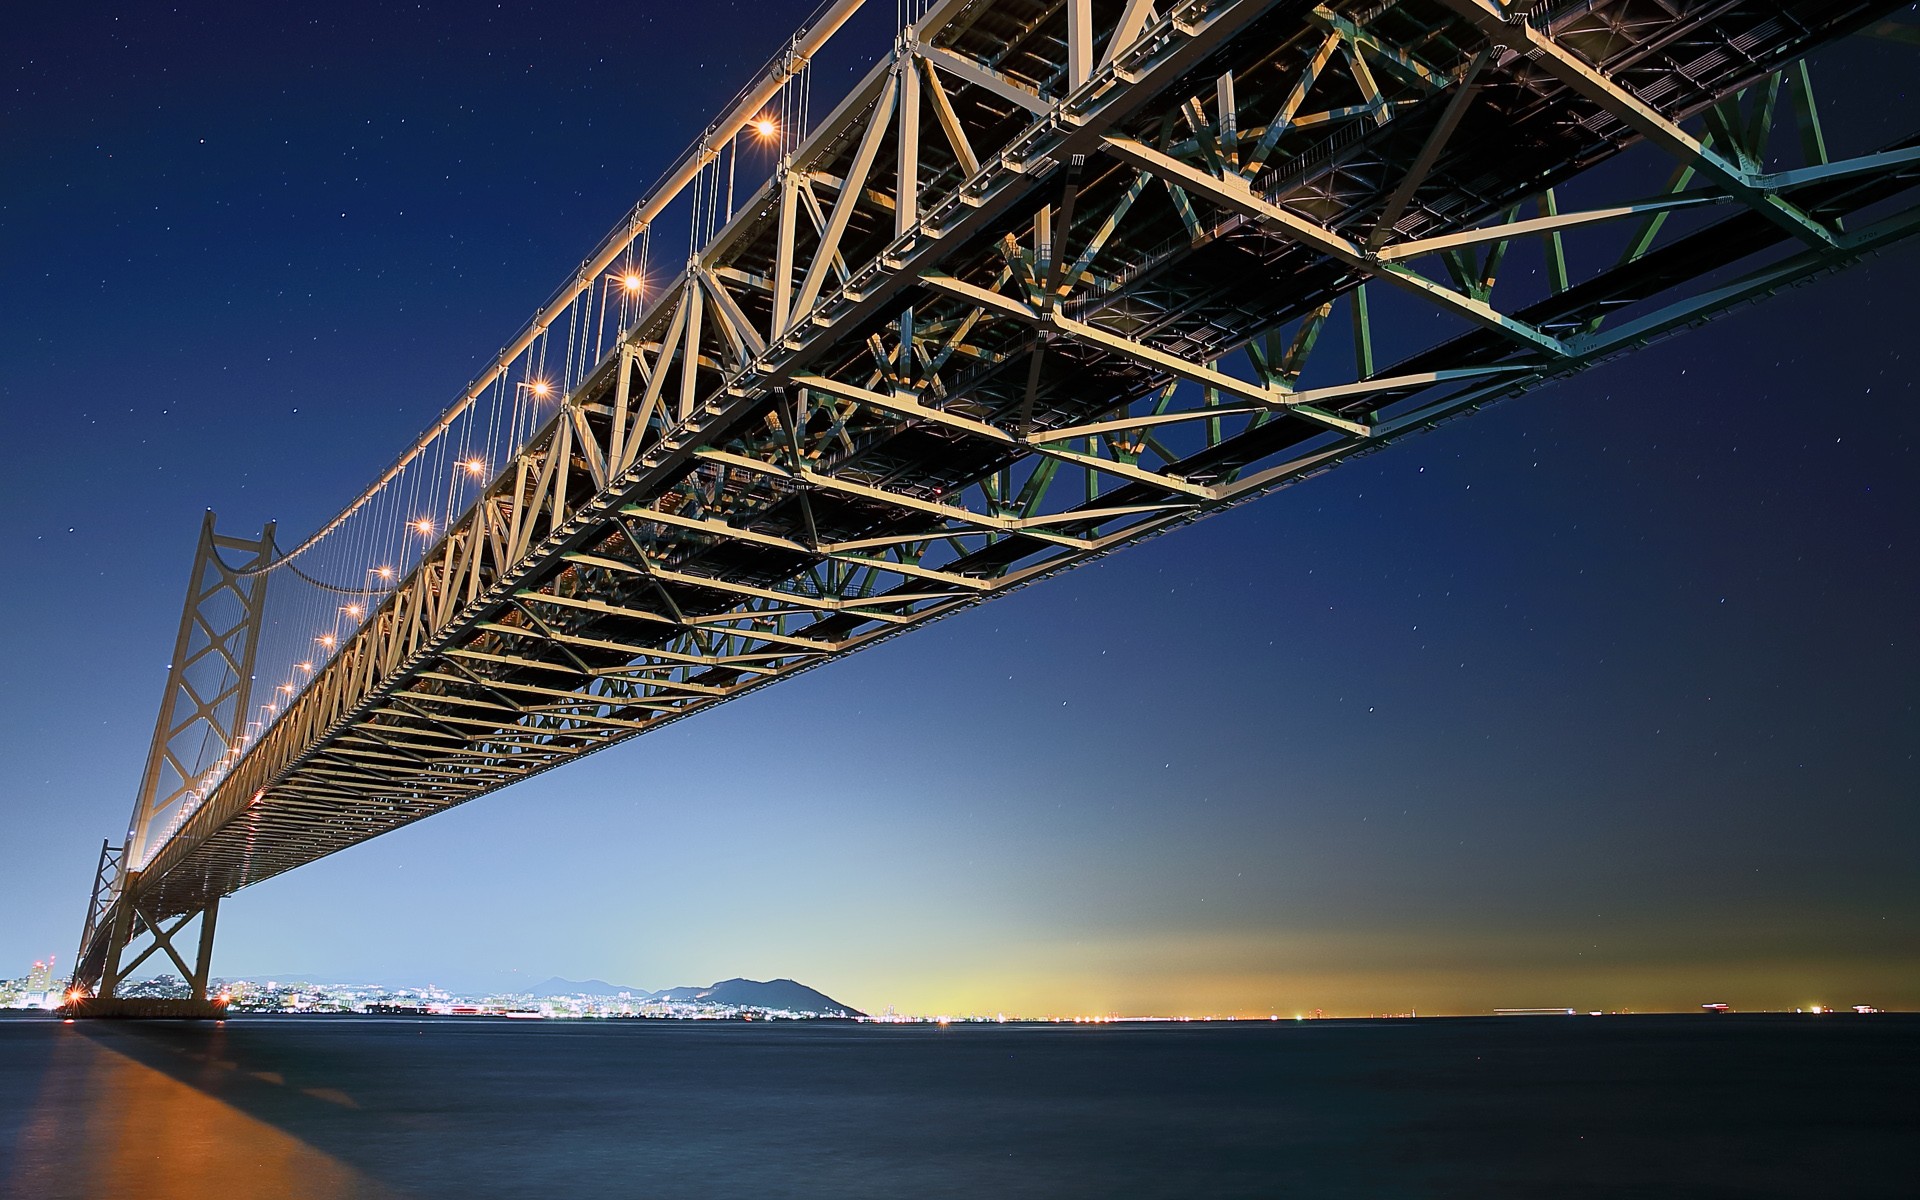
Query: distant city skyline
x,y
318,993
1602,698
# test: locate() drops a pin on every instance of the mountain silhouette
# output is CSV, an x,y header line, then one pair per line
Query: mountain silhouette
x,y
557,986
750,993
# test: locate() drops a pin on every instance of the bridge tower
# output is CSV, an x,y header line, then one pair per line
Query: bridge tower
x,y
205,706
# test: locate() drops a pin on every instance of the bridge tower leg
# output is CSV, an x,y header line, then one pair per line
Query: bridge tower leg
x,y
119,933
106,879
207,699
203,961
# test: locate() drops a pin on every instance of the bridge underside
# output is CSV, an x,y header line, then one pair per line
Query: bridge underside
x,y
1053,279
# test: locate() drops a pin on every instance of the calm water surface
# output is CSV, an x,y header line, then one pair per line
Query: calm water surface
x,y
1555,1107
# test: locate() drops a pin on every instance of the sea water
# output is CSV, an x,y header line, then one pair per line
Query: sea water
x,y
1710,1106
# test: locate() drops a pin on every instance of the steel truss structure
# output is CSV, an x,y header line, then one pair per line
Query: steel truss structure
x,y
1058,275
203,712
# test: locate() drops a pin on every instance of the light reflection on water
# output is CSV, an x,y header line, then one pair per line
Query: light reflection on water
x,y
1562,1107
105,1125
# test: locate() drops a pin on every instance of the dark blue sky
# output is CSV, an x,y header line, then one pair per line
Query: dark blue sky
x,y
1601,698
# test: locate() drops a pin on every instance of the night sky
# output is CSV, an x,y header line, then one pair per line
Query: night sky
x,y
1603,698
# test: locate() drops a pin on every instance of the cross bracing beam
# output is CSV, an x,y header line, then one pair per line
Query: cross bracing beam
x,y
841,423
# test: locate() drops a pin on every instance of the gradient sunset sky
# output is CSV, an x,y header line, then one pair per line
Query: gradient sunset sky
x,y
1604,698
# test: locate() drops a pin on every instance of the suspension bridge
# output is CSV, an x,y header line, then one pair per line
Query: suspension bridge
x,y
1055,276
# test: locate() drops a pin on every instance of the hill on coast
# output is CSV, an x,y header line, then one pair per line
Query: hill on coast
x,y
785,994
750,993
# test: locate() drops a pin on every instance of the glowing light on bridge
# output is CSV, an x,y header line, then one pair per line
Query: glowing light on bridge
x,y
632,283
474,466
424,527
766,127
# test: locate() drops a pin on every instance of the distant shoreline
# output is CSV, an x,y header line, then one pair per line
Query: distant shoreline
x,y
1842,1017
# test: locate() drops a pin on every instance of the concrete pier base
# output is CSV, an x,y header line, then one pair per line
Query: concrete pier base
x,y
142,1008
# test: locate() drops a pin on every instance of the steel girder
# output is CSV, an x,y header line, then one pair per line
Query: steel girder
x,y
1049,281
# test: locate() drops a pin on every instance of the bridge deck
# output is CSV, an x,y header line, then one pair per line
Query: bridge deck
x,y
1035,291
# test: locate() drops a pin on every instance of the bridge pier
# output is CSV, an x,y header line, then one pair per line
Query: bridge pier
x,y
130,921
